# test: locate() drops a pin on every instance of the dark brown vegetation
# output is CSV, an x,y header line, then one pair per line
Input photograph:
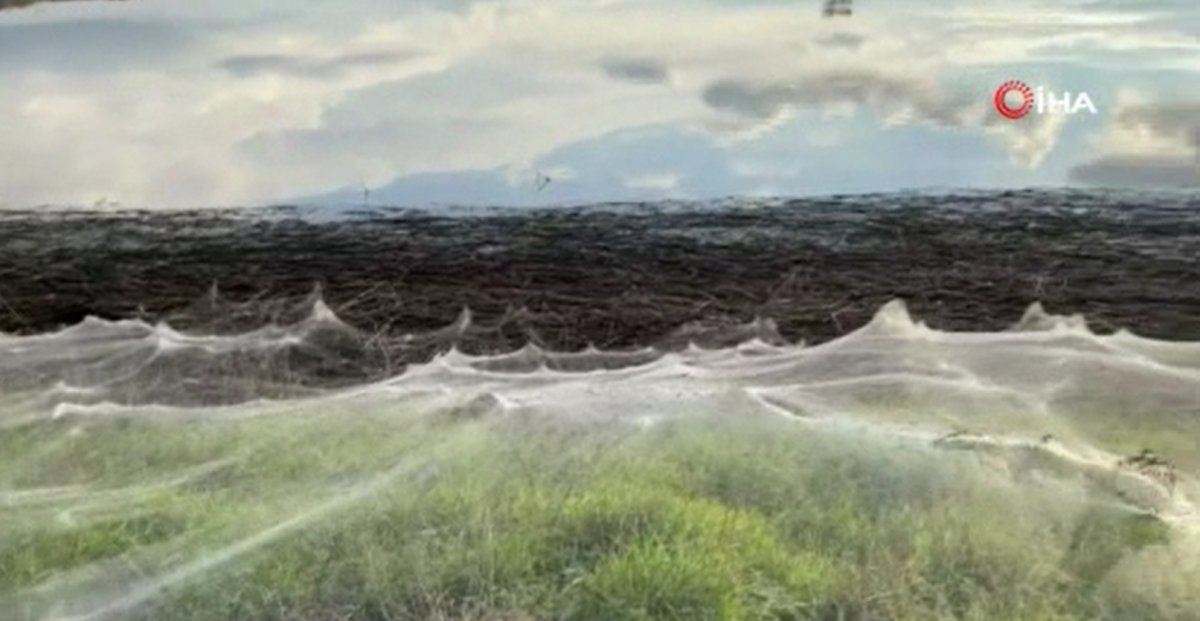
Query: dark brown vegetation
x,y
615,278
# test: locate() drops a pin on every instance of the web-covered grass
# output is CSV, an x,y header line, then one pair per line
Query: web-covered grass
x,y
363,511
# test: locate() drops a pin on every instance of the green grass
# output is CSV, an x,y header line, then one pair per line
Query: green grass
x,y
360,512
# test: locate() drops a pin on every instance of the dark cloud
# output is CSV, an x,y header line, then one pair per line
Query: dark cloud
x,y
1177,122
639,70
893,99
91,46
843,41
307,66
766,101
1138,172
1172,120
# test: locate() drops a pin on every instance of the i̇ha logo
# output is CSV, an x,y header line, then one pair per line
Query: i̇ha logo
x,y
1014,99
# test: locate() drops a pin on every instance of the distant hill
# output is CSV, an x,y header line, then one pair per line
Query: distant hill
x,y
18,4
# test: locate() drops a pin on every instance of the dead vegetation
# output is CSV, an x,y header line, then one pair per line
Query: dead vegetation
x,y
567,278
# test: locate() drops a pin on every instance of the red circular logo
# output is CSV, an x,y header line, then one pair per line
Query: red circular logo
x,y
1010,112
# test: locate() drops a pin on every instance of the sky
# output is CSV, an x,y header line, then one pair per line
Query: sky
x,y
177,103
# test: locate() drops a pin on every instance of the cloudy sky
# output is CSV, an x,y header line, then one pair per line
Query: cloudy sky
x,y
172,103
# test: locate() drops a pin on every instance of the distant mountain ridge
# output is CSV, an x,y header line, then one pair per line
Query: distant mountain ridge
x,y
20,4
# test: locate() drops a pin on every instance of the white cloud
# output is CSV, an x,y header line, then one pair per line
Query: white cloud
x,y
240,103
1030,139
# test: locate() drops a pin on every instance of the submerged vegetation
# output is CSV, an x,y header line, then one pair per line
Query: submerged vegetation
x,y
355,511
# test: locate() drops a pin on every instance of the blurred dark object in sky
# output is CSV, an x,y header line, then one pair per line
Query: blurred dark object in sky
x,y
838,8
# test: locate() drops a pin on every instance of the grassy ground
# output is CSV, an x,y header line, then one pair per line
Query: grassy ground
x,y
357,512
